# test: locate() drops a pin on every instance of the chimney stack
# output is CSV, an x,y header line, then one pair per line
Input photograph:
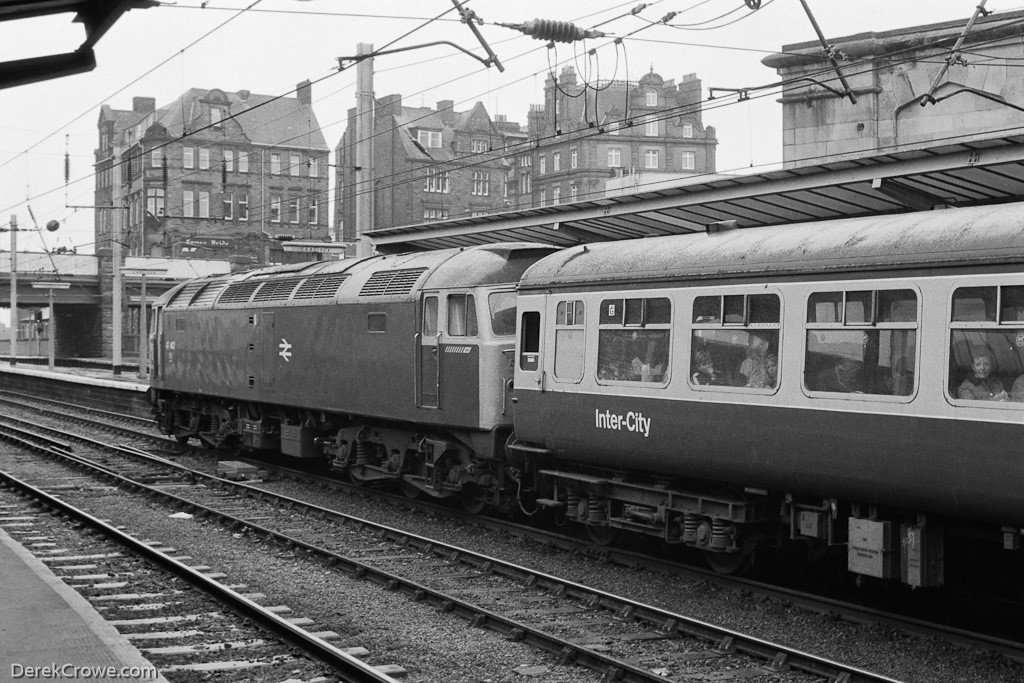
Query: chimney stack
x,y
304,92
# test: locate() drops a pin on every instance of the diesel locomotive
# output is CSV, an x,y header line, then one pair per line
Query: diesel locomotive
x,y
854,383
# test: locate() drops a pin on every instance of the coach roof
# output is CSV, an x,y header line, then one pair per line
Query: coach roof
x,y
978,235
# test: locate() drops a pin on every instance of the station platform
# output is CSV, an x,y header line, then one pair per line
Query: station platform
x,y
96,373
45,624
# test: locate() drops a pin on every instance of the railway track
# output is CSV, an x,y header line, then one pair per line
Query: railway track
x,y
181,617
620,638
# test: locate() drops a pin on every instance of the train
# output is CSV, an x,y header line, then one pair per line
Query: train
x,y
850,384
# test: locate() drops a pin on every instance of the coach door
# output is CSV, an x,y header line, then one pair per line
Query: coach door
x,y
428,390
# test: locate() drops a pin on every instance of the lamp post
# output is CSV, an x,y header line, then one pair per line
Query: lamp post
x,y
49,286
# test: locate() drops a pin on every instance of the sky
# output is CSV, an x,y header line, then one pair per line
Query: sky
x,y
268,46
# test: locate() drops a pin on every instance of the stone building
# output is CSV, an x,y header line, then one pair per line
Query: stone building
x,y
586,134
978,91
428,164
213,176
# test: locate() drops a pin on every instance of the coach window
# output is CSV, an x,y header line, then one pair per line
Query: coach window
x,y
461,315
986,352
529,341
735,341
569,335
430,317
634,340
861,342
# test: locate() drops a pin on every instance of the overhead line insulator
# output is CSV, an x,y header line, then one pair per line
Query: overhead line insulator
x,y
556,31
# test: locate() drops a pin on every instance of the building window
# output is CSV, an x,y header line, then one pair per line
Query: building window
x,y
556,194
228,202
478,146
574,192
314,211
187,203
435,214
614,128
687,130
314,167
525,184
687,160
275,208
651,158
430,139
275,164
187,157
229,160
543,164
651,98
526,162
243,162
651,129
293,164
574,158
204,158
614,157
204,204
243,206
436,181
556,162
481,183
293,210
155,158
216,116
543,196
155,201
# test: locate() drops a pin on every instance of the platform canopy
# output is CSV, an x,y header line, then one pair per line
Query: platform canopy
x,y
967,173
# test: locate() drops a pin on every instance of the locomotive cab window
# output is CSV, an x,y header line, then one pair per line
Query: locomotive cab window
x,y
461,315
502,307
861,342
569,338
430,316
735,341
986,347
633,341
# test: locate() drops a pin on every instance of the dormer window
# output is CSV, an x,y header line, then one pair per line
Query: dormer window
x,y
429,138
216,116
651,98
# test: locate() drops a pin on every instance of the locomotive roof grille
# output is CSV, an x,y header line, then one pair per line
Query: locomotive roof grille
x,y
391,282
238,293
185,294
320,286
277,290
209,294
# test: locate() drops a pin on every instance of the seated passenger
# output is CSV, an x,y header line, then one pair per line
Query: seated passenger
x,y
981,386
754,367
770,375
705,373
650,364
843,378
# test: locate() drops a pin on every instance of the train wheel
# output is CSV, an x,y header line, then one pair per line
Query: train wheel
x,y
601,535
728,563
182,439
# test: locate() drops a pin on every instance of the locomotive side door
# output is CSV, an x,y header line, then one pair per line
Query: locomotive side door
x,y
428,390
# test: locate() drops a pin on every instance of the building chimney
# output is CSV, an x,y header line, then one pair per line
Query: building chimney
x,y
304,92
446,108
143,105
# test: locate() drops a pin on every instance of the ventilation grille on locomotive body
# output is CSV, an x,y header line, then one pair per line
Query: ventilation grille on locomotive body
x,y
185,294
208,295
320,287
277,290
238,293
391,282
